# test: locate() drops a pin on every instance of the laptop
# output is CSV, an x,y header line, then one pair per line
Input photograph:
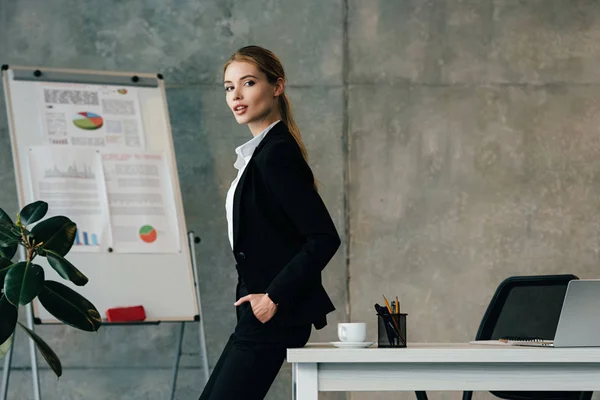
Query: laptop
x,y
579,320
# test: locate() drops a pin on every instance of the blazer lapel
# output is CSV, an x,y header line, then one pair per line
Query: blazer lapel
x,y
237,199
237,206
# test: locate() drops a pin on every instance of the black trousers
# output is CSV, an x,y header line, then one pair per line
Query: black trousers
x,y
252,357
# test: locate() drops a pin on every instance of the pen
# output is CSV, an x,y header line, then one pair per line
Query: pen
x,y
387,304
389,328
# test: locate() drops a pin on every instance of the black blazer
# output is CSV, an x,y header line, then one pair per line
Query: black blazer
x,y
283,235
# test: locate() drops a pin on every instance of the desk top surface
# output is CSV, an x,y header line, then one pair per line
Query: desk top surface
x,y
443,353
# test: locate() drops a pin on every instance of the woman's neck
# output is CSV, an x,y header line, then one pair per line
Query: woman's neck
x,y
258,126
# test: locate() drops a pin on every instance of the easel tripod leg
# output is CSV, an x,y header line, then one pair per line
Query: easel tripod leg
x,y
32,352
177,359
6,371
192,239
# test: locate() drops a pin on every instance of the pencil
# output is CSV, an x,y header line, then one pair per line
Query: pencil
x,y
387,304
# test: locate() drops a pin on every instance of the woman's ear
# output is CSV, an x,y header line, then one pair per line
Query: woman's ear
x,y
279,86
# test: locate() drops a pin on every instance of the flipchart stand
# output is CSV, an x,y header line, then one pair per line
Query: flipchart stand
x,y
192,240
27,106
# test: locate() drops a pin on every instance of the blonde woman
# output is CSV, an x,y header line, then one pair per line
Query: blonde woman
x,y
281,233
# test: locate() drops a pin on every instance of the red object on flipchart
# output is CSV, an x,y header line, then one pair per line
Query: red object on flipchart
x,y
126,314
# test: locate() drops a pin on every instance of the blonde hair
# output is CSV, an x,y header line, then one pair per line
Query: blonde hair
x,y
270,65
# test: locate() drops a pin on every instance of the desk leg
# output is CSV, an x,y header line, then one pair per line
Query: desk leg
x,y
294,381
306,381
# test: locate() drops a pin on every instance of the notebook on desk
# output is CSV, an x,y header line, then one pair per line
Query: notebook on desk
x,y
538,342
516,341
578,324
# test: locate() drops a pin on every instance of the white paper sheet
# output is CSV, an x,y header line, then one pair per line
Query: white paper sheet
x,y
105,117
141,203
71,181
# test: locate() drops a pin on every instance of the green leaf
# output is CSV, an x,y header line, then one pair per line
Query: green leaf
x,y
6,241
5,347
7,226
23,282
4,217
9,252
56,234
8,235
70,307
4,267
33,212
8,319
65,269
48,354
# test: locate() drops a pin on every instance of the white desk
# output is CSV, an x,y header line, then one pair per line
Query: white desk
x,y
445,366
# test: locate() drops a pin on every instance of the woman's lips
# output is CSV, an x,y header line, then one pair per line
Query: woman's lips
x,y
240,109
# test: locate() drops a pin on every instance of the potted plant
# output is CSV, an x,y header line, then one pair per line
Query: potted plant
x,y
23,281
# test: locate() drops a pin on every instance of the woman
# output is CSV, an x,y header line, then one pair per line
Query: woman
x,y
280,231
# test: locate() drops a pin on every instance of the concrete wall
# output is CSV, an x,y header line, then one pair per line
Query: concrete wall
x,y
456,144
474,143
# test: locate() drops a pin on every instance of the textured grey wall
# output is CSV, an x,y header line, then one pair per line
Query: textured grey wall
x,y
474,143
468,131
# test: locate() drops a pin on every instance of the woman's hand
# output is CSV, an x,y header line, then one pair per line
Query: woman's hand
x,y
262,306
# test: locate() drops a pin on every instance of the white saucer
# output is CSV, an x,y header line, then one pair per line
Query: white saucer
x,y
352,345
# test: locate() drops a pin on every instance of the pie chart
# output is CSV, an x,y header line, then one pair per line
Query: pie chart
x,y
88,121
148,233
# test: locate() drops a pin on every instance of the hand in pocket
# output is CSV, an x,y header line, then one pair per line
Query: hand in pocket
x,y
262,306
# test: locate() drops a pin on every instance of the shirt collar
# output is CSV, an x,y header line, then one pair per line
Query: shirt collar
x,y
246,149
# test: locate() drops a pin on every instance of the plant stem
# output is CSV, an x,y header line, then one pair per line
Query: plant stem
x,y
29,246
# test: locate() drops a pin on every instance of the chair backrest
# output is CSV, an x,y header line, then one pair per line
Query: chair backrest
x,y
528,306
525,306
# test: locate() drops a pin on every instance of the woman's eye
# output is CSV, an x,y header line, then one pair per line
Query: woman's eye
x,y
228,88
249,83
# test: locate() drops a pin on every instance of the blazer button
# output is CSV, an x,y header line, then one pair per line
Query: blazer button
x,y
241,256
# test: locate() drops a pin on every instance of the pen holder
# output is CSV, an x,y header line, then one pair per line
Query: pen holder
x,y
391,330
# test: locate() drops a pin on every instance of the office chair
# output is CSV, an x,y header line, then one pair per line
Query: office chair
x,y
525,306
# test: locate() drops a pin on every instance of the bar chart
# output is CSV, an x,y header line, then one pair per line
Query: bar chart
x,y
86,239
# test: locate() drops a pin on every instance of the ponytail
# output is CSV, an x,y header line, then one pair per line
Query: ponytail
x,y
287,116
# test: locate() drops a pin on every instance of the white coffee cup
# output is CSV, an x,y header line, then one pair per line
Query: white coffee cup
x,y
352,331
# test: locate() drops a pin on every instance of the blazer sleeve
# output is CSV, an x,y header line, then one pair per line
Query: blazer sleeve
x,y
291,181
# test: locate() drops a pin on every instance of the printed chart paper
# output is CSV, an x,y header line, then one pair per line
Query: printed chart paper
x,y
105,117
71,181
141,203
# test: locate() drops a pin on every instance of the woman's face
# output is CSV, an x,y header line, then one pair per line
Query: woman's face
x,y
251,98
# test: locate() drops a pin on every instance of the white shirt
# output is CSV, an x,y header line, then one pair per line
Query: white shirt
x,y
244,154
